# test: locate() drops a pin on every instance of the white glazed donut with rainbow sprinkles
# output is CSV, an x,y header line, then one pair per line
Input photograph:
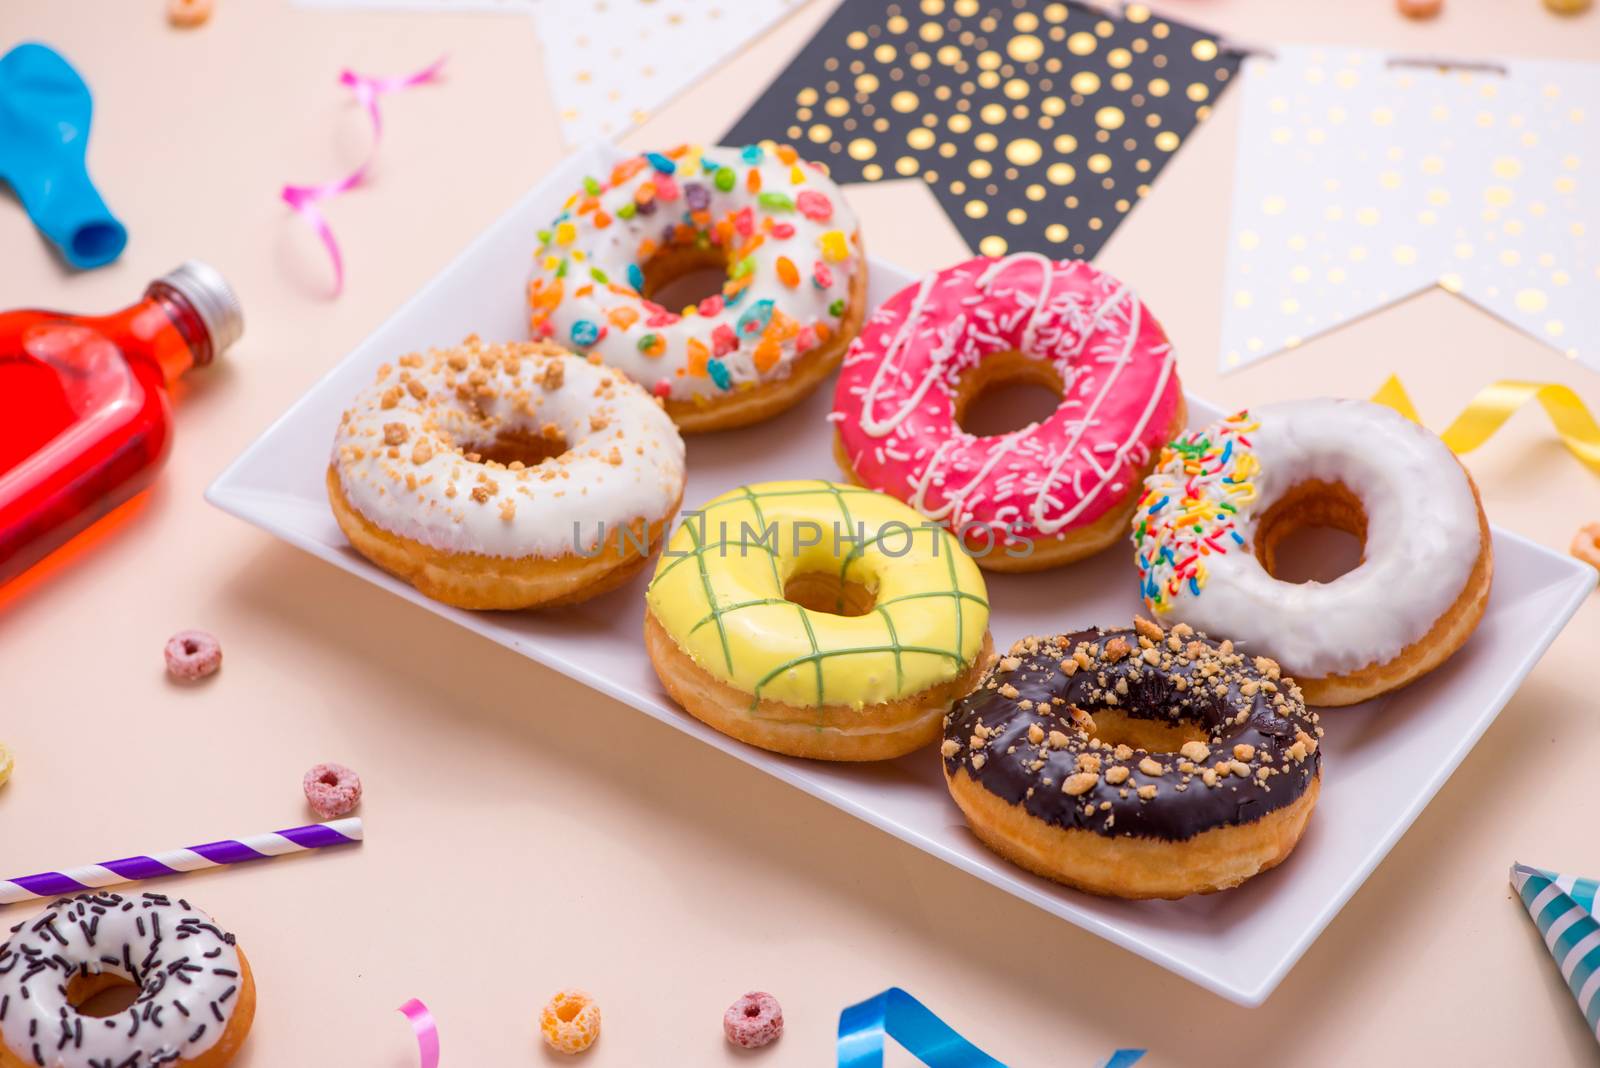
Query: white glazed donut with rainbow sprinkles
x,y
1223,499
774,227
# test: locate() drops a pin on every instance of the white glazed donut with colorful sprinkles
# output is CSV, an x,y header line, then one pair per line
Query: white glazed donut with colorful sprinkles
x,y
196,997
1222,498
795,278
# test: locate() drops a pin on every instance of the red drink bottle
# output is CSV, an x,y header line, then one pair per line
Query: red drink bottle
x,y
85,422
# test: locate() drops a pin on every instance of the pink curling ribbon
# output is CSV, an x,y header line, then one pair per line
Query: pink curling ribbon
x,y
427,1031
303,198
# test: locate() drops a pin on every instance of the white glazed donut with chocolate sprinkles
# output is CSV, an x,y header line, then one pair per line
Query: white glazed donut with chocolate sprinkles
x,y
196,998
505,476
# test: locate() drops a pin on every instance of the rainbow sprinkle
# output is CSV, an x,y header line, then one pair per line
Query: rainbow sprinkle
x,y
1191,508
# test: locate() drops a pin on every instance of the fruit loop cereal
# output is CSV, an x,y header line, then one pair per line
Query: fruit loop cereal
x,y
333,790
754,1020
570,1022
192,654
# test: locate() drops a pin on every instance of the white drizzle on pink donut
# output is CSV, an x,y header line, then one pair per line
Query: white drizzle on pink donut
x,y
894,407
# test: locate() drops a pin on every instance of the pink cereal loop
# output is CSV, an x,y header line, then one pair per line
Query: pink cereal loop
x,y
754,1020
894,407
333,790
192,654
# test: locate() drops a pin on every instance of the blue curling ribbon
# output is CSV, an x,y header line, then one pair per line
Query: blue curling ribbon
x,y
909,1022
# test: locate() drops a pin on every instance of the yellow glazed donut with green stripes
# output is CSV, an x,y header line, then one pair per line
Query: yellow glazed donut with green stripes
x,y
818,620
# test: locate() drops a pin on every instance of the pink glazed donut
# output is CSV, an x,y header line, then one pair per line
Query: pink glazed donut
x,y
1051,492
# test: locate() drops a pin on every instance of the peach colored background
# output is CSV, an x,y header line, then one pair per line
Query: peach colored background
x,y
526,833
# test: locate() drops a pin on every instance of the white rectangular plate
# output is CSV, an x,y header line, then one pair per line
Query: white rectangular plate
x,y
1384,760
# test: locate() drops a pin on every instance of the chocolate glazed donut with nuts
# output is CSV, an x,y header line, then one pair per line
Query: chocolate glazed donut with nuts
x,y
1136,763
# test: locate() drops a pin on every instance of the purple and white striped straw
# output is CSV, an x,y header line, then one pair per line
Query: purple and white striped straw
x,y
174,862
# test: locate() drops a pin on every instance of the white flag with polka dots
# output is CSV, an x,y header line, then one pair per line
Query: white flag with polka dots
x,y
612,62
1363,178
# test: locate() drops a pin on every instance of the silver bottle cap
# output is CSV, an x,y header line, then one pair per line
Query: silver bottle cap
x,y
213,300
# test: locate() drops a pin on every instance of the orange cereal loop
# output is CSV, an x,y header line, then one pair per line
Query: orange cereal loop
x,y
787,154
1586,544
188,12
752,180
570,1022
788,274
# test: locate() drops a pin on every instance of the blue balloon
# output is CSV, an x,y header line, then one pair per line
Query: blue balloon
x,y
45,110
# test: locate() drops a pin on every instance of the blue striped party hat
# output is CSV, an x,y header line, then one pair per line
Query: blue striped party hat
x,y
1562,907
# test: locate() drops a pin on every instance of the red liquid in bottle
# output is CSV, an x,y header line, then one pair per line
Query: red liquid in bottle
x,y
85,420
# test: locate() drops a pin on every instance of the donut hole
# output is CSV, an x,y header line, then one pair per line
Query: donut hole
x,y
527,447
680,276
1315,532
822,591
102,994
1113,727
1007,392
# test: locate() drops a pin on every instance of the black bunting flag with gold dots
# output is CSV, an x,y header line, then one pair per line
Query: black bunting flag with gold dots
x,y
1038,125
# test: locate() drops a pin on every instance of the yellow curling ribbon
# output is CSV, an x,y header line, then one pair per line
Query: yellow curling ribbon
x,y
1496,402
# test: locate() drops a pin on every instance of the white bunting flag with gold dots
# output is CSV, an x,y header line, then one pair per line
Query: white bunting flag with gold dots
x,y
612,62
1363,178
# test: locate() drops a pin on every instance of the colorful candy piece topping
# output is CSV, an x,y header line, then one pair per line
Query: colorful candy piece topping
x,y
1190,509
814,206
834,246
585,333
755,318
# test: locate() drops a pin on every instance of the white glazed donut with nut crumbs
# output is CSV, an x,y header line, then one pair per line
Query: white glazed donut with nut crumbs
x,y
505,476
